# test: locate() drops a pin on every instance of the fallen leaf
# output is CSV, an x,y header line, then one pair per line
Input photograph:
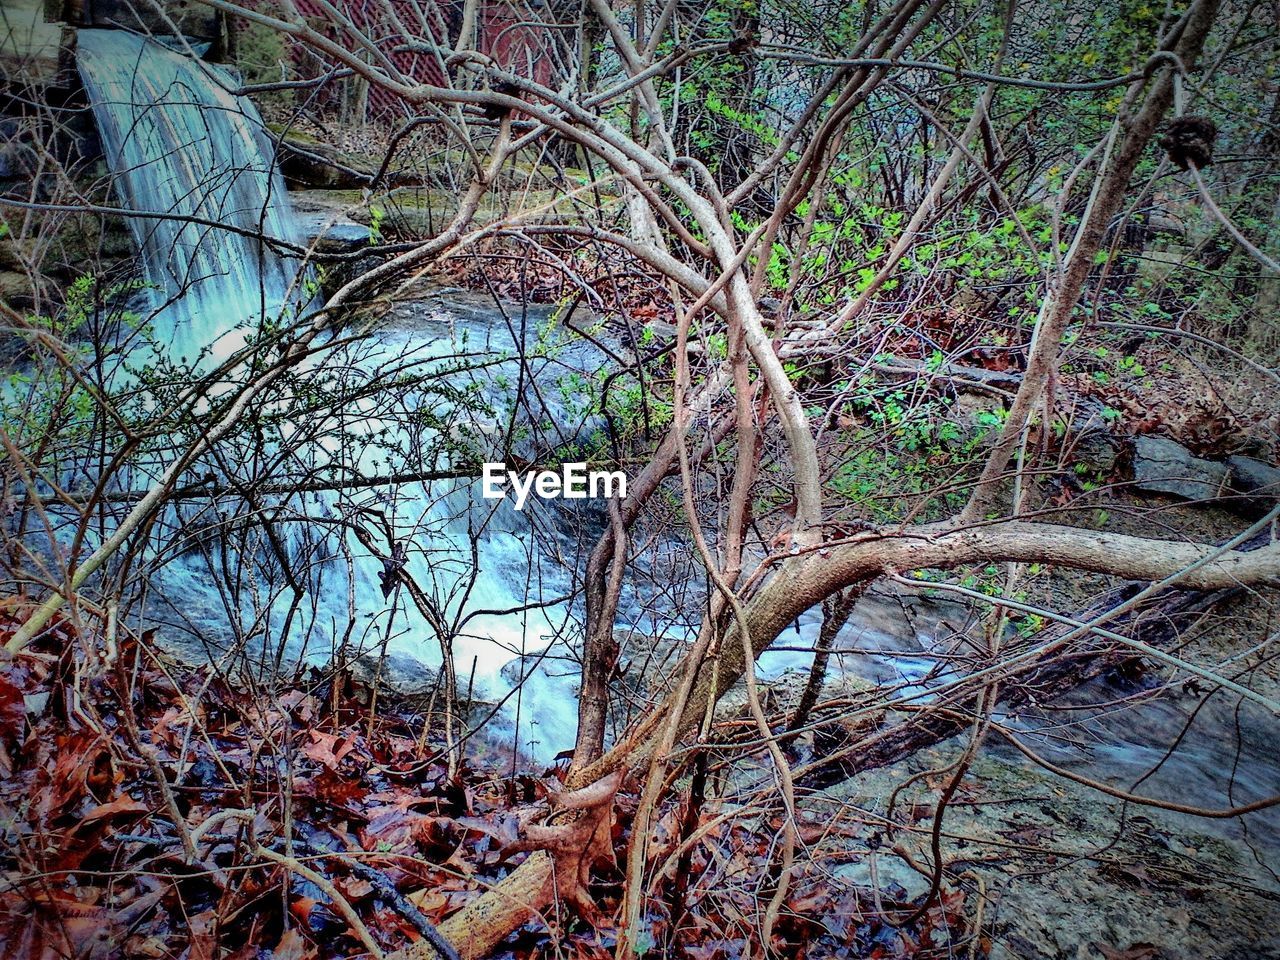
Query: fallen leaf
x,y
327,749
353,888
430,901
203,944
122,807
292,947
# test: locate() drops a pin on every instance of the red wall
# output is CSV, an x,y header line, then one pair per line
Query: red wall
x,y
506,33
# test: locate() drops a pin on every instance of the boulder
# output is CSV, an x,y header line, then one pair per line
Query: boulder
x,y
310,164
193,19
1256,482
1161,465
16,290
330,234
1096,448
892,875
15,254
14,163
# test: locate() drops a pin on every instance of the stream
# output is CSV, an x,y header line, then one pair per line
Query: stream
x,y
187,150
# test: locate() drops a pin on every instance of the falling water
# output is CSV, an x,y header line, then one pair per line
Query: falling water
x,y
195,162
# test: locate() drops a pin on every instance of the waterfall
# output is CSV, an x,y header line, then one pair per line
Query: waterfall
x,y
196,163
193,164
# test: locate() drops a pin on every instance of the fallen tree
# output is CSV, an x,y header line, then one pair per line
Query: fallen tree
x,y
799,583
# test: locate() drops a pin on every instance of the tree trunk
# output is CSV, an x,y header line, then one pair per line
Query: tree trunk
x,y
1137,125
803,581
1264,323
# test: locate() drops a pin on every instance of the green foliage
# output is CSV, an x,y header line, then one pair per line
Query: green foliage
x,y
260,54
754,123
903,450
48,402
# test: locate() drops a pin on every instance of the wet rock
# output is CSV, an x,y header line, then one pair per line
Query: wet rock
x,y
116,241
422,215
194,20
14,161
1167,225
15,253
1162,466
306,162
406,675
83,242
330,234
1096,448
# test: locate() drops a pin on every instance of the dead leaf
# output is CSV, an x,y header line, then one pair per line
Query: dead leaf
x,y
203,944
353,888
122,807
431,901
327,749
578,844
292,947
13,718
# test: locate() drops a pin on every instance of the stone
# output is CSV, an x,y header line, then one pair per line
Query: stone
x,y
12,166
1096,448
329,234
309,163
15,254
192,18
116,242
1257,483
891,870
1161,465
16,290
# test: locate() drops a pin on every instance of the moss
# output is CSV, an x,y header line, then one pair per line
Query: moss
x,y
259,53
292,134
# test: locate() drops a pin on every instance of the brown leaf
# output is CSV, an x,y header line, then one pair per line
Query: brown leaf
x,y
333,788
503,829
302,705
432,901
292,947
353,888
203,944
13,718
83,765
163,730
124,806
579,843
150,947
326,749
391,827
